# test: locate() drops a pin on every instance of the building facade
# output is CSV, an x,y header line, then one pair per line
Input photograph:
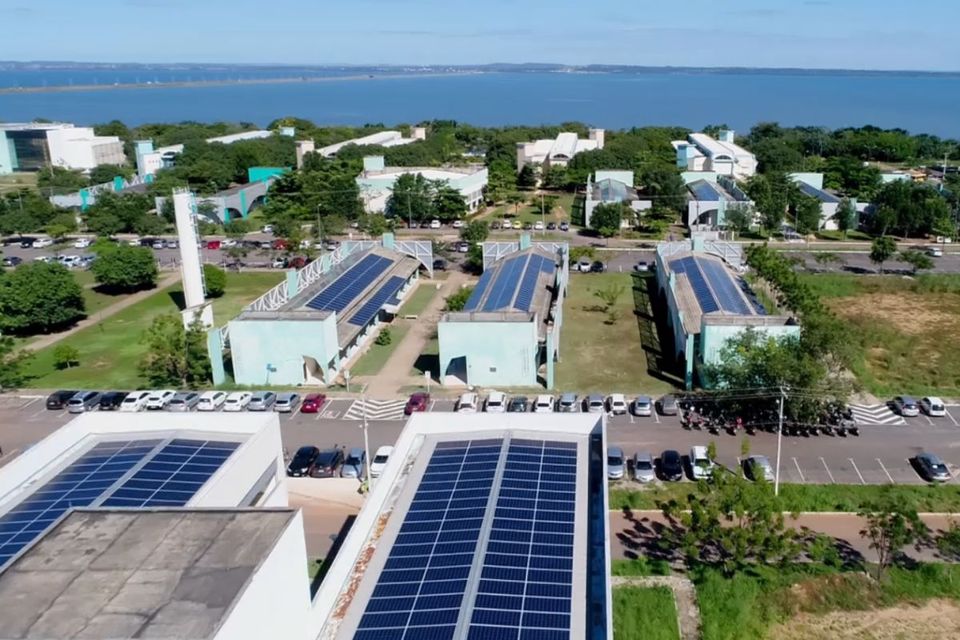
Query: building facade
x,y
612,187
377,180
557,152
700,152
32,146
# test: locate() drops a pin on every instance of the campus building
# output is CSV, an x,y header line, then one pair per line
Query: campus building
x,y
700,152
613,187
308,329
557,152
708,303
150,159
710,197
33,146
379,139
508,333
376,181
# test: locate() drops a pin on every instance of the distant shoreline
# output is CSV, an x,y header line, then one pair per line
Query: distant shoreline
x,y
67,88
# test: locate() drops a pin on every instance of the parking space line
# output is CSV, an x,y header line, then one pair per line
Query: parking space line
x,y
37,413
889,477
432,404
929,421
293,414
38,397
952,419
862,481
828,470
655,416
802,479
631,418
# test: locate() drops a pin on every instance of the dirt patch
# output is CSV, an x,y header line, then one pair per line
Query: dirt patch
x,y
935,618
910,313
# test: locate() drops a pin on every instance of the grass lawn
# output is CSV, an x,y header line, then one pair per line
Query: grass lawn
x,y
416,303
600,357
377,355
111,350
17,181
897,327
644,613
858,236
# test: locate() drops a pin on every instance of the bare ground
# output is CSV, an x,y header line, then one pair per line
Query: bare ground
x,y
935,618
910,313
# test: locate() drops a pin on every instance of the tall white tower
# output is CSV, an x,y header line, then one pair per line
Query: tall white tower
x,y
191,264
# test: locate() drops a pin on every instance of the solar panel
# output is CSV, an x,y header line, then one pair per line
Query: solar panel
x,y
727,293
339,293
81,484
819,194
699,284
705,191
173,475
505,285
372,307
474,300
528,285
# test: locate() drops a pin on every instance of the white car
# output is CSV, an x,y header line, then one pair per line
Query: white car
x,y
467,403
700,463
211,400
158,400
543,404
435,224
267,228
617,404
379,461
306,244
457,224
496,402
81,243
229,242
69,261
42,243
134,242
538,226
135,401
933,407
237,401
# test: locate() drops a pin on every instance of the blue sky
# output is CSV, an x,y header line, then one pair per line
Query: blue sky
x,y
860,34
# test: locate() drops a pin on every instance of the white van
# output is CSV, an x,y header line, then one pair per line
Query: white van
x,y
700,463
544,404
496,402
211,400
467,403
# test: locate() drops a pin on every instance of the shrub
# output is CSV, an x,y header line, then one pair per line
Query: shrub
x,y
384,338
65,356
215,279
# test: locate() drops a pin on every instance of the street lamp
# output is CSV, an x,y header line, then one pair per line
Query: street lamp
x,y
776,479
366,439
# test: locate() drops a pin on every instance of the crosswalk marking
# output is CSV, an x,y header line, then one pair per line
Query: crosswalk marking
x,y
875,414
376,410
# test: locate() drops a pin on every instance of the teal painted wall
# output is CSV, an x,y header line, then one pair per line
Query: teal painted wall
x,y
282,344
497,353
215,351
260,174
8,159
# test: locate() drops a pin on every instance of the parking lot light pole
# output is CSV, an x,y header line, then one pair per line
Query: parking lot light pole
x,y
366,440
776,478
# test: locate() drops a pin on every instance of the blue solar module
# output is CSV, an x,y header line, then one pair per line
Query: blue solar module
x,y
474,301
727,293
505,286
706,191
81,484
819,194
173,475
344,289
528,284
372,307
699,284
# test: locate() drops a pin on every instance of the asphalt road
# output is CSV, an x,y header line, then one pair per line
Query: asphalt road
x,y
881,454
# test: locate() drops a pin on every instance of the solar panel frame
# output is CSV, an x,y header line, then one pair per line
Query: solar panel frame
x,y
372,306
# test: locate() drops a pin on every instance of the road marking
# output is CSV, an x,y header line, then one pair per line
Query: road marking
x,y
326,408
432,403
828,470
631,418
37,413
862,481
929,421
800,471
889,477
293,414
38,398
952,419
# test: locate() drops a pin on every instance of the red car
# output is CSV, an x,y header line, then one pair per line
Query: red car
x,y
313,402
213,244
280,244
417,402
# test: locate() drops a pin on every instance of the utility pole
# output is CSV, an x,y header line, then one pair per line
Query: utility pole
x,y
776,480
366,440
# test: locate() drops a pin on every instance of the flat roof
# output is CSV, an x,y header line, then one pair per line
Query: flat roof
x,y
705,286
707,191
118,574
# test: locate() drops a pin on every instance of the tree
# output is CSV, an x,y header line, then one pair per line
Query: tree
x,y
412,198
606,218
448,203
806,212
948,542
582,251
917,259
238,228
475,231
175,357
882,249
384,337
771,194
890,524
103,173
65,356
121,267
610,294
846,217
115,213
12,363
215,279
527,178
458,300
909,209
57,180
516,199
739,217
39,298
199,370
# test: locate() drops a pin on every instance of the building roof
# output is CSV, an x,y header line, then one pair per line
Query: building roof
x,y
34,126
715,148
486,523
610,190
706,286
565,145
237,137
707,191
381,138
171,574
819,194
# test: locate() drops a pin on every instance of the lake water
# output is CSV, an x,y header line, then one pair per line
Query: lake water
x,y
918,103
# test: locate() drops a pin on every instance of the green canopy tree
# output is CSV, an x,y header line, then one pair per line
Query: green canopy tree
x,y
475,231
39,297
806,211
13,361
846,217
882,249
527,178
120,267
57,180
448,203
103,173
606,218
215,279
890,525
917,259
175,356
412,198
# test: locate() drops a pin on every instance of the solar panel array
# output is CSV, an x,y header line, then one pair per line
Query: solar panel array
x,y
514,284
78,485
342,291
174,475
477,296
699,284
372,307
726,291
819,194
705,191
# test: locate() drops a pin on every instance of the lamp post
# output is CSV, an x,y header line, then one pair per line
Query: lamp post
x,y
776,479
366,439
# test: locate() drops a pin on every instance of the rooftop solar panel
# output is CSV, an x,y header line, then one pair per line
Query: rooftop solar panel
x,y
474,300
705,191
528,284
819,194
727,293
372,307
505,286
339,293
698,283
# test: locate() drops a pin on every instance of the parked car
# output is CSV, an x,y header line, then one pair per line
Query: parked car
x,y
279,245
70,262
184,401
906,406
214,245
543,404
211,400
538,226
643,470
667,405
172,244
463,247
933,407
83,401
327,463
518,404
583,265
135,401
496,402
304,462
933,468
671,465
27,243
354,464
564,226
81,243
642,406
467,403
435,224
287,402
617,404
616,464
237,401
568,403
551,226
59,399
380,459
279,263
267,228
597,267
12,261
262,401
313,402
496,225
439,265
757,467
641,267
457,224
701,466
42,243
158,400
416,403
594,403
934,251
112,400
158,243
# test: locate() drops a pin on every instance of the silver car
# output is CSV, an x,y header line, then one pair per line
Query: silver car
x,y
616,464
568,403
183,401
353,466
643,469
287,402
759,467
262,401
642,406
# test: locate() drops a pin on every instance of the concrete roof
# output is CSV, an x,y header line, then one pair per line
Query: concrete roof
x,y
171,574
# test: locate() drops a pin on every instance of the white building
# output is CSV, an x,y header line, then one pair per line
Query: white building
x,y
32,146
557,151
151,160
379,139
611,187
376,181
700,152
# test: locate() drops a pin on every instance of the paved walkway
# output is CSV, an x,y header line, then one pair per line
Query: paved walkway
x,y
684,596
395,373
41,342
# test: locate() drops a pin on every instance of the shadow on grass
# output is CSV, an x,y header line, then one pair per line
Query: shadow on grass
x,y
655,336
328,560
178,299
428,362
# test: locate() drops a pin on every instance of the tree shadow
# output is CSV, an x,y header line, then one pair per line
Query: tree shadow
x,y
656,339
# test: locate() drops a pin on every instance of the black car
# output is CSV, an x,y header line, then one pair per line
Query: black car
x,y
304,462
12,261
518,404
551,226
327,463
439,265
58,399
26,243
111,400
597,267
671,465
